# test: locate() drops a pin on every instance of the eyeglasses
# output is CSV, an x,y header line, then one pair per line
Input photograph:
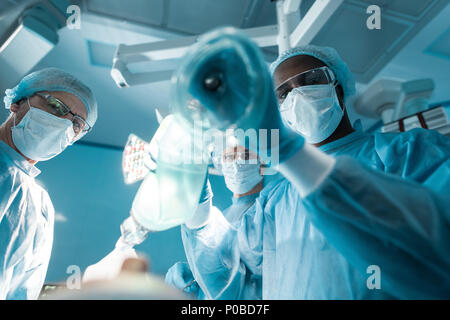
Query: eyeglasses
x,y
60,109
317,76
238,156
241,158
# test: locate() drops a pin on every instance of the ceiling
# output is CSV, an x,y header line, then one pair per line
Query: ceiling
x,y
9,11
406,48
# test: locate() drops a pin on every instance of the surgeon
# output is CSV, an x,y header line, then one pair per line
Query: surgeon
x,y
50,110
359,216
243,174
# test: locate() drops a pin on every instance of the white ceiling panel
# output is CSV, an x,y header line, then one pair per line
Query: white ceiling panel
x,y
410,8
368,51
440,47
360,47
260,13
140,11
202,15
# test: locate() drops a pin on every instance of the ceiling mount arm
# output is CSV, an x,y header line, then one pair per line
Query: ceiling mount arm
x,y
267,36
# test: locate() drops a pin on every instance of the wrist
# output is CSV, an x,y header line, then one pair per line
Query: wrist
x,y
201,216
307,169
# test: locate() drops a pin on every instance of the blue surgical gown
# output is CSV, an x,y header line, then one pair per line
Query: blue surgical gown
x,y
386,203
180,275
26,227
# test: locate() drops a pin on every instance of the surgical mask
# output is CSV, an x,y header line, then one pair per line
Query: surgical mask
x,y
313,111
41,136
240,178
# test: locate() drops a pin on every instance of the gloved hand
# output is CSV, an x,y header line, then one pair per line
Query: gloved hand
x,y
207,193
109,267
234,86
180,276
201,215
288,142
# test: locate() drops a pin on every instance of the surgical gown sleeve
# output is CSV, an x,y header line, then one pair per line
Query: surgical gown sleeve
x,y
181,277
399,222
26,236
226,261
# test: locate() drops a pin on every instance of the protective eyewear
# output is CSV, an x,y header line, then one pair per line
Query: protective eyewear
x,y
318,76
241,158
60,109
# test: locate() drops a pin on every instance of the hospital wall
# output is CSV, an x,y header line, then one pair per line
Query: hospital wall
x,y
91,200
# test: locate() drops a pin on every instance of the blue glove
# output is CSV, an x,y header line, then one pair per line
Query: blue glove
x,y
180,276
226,74
207,193
289,142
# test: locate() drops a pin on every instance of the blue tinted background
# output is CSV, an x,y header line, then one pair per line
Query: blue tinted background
x,y
91,200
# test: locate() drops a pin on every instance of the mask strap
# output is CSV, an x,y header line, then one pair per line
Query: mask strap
x,y
337,97
29,105
29,108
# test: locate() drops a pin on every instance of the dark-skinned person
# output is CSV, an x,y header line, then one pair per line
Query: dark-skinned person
x,y
358,215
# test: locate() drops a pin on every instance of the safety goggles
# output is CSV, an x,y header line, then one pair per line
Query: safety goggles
x,y
60,109
318,76
241,158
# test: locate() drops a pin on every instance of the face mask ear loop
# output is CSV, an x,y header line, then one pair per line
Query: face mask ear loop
x,y
15,114
337,96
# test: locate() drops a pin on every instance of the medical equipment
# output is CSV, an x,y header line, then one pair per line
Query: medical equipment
x,y
283,34
136,159
173,172
403,105
391,99
436,118
223,84
34,37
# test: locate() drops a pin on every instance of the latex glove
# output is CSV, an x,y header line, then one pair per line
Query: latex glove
x,y
235,89
201,215
207,193
109,267
288,142
181,277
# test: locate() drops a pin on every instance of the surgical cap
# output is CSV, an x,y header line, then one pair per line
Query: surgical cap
x,y
53,79
327,55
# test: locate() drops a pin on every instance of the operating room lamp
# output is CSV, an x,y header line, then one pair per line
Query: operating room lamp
x,y
402,105
282,34
34,37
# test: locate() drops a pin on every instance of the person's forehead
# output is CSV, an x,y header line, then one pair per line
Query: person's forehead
x,y
293,66
72,101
